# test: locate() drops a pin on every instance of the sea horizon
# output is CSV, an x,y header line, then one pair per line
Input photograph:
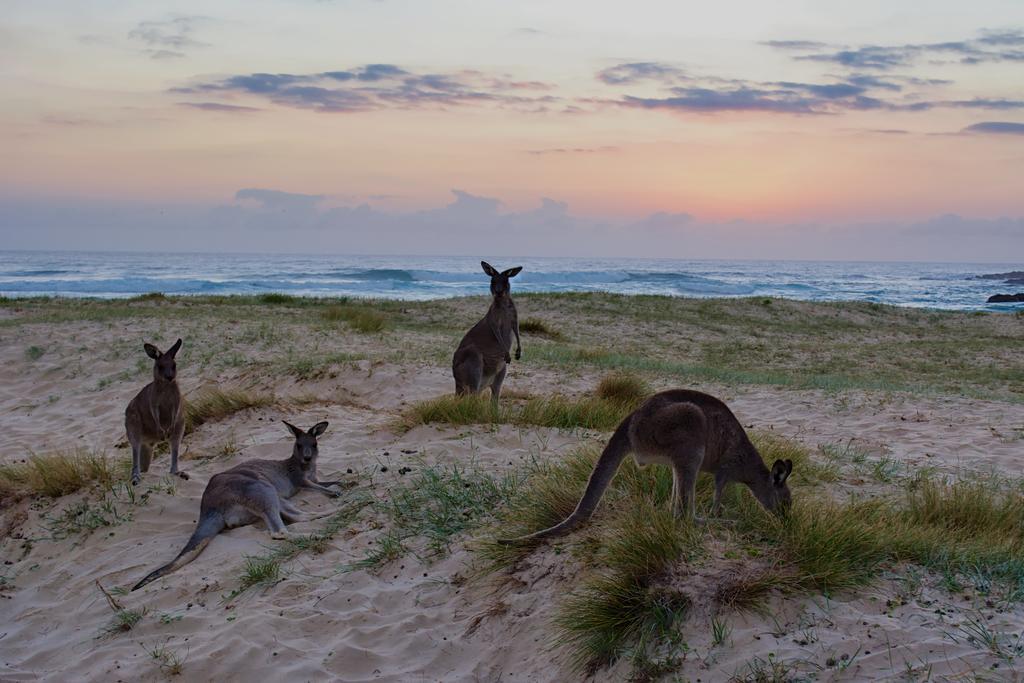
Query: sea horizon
x,y
121,274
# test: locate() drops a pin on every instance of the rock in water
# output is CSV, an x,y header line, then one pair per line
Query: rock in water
x,y
1006,298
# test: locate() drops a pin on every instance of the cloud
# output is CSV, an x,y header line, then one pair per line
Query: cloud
x,y
985,103
868,57
999,127
218,106
70,121
267,220
684,91
781,97
795,44
276,200
573,150
742,99
989,46
378,86
635,72
888,131
1004,37
170,38
165,54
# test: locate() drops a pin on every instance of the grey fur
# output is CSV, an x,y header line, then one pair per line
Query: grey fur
x,y
252,491
156,413
482,357
690,432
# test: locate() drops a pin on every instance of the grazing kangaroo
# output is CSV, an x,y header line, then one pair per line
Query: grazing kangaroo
x,y
254,490
483,354
689,431
156,413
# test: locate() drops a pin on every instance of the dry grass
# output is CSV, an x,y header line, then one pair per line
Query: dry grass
x,y
552,411
617,395
623,387
540,328
359,318
58,474
627,601
215,404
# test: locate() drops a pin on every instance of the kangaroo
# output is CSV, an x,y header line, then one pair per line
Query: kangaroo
x,y
156,413
253,490
689,431
483,354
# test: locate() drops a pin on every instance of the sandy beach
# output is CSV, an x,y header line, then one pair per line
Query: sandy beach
x,y
897,391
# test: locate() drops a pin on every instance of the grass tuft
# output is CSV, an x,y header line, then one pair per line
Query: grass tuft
x,y
540,328
266,569
623,608
214,404
360,318
276,298
433,506
170,662
453,410
150,296
623,387
259,571
553,411
57,474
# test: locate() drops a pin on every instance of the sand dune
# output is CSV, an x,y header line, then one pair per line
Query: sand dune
x,y
418,618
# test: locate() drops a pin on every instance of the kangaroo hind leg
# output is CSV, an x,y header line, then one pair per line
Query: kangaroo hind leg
x,y
175,446
496,385
263,501
469,374
292,515
145,456
686,461
136,459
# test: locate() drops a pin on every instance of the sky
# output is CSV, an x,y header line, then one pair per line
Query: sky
x,y
883,130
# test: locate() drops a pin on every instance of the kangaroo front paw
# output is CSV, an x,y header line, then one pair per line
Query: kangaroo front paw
x,y
279,535
136,479
519,354
182,474
508,358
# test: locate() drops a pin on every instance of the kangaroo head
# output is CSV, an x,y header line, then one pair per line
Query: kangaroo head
x,y
305,451
779,498
499,281
164,367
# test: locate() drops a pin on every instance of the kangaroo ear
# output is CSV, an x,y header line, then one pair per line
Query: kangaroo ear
x,y
512,272
489,269
780,472
174,349
152,351
318,429
296,432
789,467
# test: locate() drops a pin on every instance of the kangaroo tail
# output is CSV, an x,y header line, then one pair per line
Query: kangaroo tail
x,y
209,526
604,471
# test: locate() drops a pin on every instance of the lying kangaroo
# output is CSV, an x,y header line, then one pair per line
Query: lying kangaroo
x,y
256,489
688,431
156,413
483,354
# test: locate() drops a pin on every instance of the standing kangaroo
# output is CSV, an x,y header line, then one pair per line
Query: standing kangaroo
x,y
689,431
156,413
483,354
254,490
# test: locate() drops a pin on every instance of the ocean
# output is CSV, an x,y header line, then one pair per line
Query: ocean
x,y
120,274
